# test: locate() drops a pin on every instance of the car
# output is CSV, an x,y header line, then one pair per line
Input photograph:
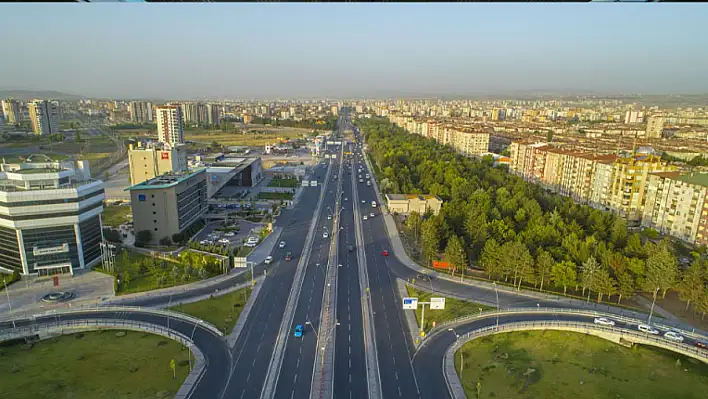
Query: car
x,y
351,248
384,253
647,329
298,331
229,234
268,259
673,336
325,235
423,277
371,214
224,241
282,244
329,217
604,321
702,345
346,199
363,201
289,256
366,217
204,242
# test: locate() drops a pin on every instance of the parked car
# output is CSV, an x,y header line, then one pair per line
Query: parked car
x,y
298,331
384,253
673,336
224,241
288,256
282,244
604,321
647,329
268,260
229,234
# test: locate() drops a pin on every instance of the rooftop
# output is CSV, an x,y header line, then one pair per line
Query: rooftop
x,y
400,197
29,171
700,179
166,180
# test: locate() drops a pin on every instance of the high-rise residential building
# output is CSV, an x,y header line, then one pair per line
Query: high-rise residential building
x,y
190,114
334,110
633,117
169,124
471,143
155,159
44,116
601,182
655,126
202,114
11,111
213,114
50,217
676,205
140,111
169,204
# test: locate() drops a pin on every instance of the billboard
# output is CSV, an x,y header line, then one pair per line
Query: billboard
x,y
438,264
437,303
410,303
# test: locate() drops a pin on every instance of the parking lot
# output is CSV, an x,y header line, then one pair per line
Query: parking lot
x,y
211,233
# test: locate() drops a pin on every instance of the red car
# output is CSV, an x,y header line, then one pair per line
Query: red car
x,y
384,253
701,345
288,256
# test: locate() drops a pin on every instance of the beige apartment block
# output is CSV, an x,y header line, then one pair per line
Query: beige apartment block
x,y
169,204
675,205
155,159
407,203
602,182
170,128
471,143
11,111
44,116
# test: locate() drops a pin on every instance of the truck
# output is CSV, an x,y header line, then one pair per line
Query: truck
x,y
373,204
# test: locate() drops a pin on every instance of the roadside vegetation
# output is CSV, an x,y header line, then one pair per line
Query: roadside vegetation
x,y
559,364
518,234
275,196
222,311
292,183
114,216
453,308
101,364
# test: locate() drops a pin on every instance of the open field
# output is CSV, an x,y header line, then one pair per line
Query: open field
x,y
94,365
292,183
221,311
114,216
558,364
256,137
453,308
275,196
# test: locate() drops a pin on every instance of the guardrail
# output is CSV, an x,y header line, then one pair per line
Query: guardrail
x,y
492,313
136,309
455,386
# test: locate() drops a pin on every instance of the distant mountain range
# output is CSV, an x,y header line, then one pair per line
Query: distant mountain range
x,y
43,94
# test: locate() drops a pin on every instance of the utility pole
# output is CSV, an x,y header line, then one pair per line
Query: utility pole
x,y
652,305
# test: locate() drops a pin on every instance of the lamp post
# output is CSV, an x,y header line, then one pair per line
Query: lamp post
x,y
457,338
652,306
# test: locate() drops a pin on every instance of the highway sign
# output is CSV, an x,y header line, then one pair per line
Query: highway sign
x,y
313,183
240,261
410,303
437,303
305,183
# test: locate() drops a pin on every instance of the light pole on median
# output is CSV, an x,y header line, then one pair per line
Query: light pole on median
x,y
656,291
457,337
191,338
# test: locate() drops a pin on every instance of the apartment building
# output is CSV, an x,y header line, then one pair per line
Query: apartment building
x,y
44,116
140,111
213,114
601,182
407,203
170,129
655,126
154,159
169,204
470,143
50,217
676,205
11,111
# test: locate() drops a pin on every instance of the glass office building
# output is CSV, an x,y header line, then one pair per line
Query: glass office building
x,y
50,217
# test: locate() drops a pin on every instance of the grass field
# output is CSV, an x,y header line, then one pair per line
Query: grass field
x,y
275,196
114,216
559,364
265,135
94,365
453,308
221,311
292,183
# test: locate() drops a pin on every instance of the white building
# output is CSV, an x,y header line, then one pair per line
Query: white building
x,y
45,117
169,124
50,217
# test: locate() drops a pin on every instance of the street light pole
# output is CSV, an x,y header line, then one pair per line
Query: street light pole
x,y
652,305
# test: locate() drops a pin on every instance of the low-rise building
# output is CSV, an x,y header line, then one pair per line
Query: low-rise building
x,y
154,159
169,204
407,203
50,217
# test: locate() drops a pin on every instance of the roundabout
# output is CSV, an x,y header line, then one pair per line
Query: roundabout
x,y
57,297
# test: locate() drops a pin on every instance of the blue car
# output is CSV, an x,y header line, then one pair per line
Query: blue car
x,y
298,331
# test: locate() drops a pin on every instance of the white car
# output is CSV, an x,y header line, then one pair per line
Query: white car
x,y
371,214
647,329
363,201
604,321
282,244
224,241
325,235
329,217
204,242
365,217
230,234
268,259
674,336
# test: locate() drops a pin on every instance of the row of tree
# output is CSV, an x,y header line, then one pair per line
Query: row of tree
x,y
518,232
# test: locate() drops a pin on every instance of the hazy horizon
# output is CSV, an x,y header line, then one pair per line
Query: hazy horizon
x,y
353,50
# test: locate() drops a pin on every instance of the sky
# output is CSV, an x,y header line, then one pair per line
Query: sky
x,y
270,50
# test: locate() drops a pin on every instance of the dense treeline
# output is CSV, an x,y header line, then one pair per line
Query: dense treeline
x,y
329,123
520,233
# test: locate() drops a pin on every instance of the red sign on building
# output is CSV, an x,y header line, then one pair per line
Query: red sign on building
x,y
165,155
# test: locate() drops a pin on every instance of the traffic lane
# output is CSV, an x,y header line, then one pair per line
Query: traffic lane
x,y
350,363
392,335
428,360
213,348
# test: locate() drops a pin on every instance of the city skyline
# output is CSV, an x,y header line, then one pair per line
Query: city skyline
x,y
313,51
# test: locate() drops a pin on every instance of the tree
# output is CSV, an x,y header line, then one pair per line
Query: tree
x,y
564,274
544,265
455,254
517,261
588,275
413,222
625,286
702,303
491,258
691,286
604,284
661,270
143,237
166,241
618,234
430,238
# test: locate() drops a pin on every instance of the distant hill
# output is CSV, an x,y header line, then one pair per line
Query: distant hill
x,y
43,94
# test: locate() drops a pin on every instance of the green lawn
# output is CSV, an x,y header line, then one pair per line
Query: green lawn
x,y
221,311
94,365
255,138
114,216
275,196
562,365
453,308
292,183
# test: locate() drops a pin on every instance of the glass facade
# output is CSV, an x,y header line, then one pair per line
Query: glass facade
x,y
191,203
52,215
91,238
9,250
50,237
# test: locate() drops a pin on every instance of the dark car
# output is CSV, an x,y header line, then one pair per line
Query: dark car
x,y
351,248
423,277
702,345
288,256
